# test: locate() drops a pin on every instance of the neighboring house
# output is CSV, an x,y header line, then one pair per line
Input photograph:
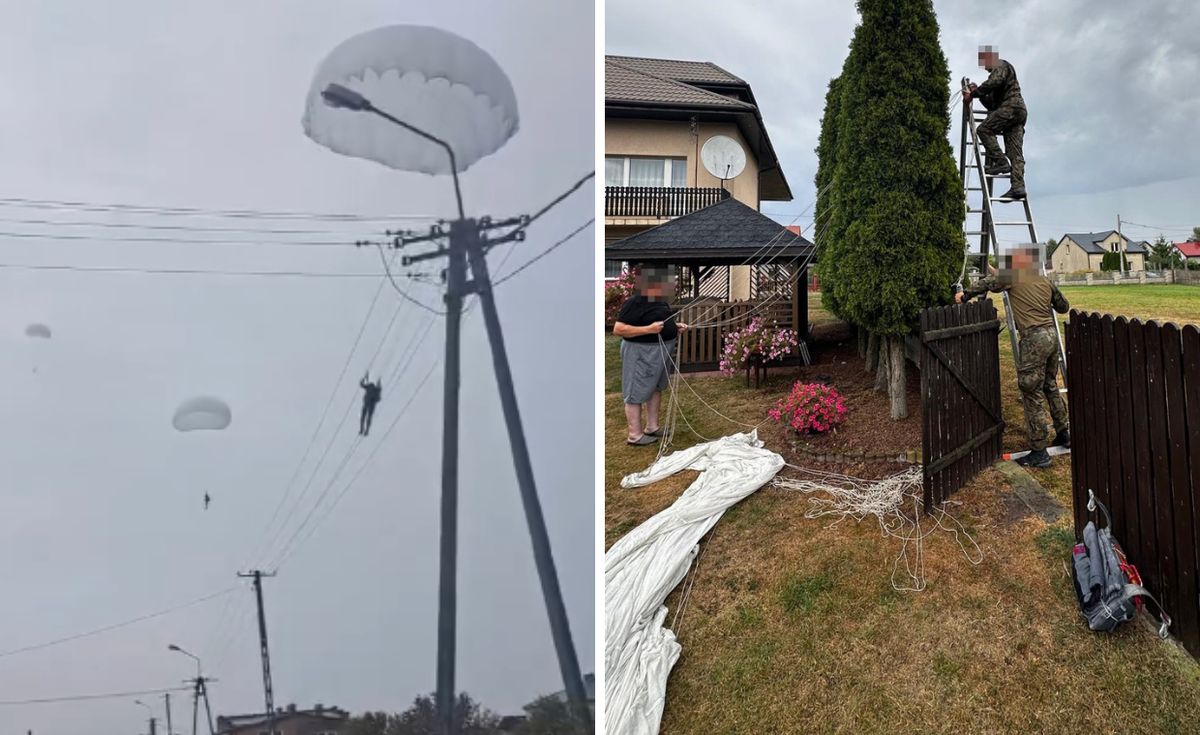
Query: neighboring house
x,y
319,720
659,113
1189,251
1078,252
510,723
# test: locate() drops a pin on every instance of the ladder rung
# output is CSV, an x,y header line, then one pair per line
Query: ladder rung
x,y
1005,199
975,232
976,211
998,176
1011,224
974,188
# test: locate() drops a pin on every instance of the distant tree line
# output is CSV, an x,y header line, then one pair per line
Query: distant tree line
x,y
546,716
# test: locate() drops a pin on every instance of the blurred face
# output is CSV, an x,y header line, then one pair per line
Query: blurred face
x,y
988,57
658,284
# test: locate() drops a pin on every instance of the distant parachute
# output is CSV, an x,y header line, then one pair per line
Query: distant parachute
x,y
37,331
431,79
202,414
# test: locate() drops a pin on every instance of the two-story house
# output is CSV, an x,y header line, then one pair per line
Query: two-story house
x,y
319,720
1078,252
659,115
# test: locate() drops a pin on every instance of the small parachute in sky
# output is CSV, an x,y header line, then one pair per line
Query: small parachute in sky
x,y
37,331
429,78
202,414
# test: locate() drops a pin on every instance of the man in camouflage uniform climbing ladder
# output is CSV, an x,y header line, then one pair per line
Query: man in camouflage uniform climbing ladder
x,y
1031,296
1001,95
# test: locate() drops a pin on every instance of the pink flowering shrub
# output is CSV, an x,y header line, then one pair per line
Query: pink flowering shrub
x,y
617,293
811,408
756,340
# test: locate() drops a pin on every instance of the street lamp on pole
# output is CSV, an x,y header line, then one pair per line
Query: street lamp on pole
x,y
467,249
151,711
336,95
194,657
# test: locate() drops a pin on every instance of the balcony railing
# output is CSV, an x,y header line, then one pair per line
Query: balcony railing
x,y
658,201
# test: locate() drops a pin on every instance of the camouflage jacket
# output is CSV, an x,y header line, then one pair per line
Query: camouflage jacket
x,y
1001,89
1030,299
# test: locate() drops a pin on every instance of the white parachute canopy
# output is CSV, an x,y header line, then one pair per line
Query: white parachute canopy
x,y
37,331
203,413
431,79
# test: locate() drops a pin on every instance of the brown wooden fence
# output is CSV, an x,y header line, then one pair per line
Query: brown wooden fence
x,y
961,417
700,347
1135,414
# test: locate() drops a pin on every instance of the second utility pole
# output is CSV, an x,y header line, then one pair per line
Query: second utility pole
x,y
268,695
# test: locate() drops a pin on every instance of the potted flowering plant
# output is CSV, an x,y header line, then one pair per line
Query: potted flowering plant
x,y
810,408
617,293
756,344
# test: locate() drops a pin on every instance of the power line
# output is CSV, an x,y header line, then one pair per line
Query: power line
x,y
387,269
545,252
180,271
283,552
260,549
115,626
86,697
197,211
169,228
346,489
174,240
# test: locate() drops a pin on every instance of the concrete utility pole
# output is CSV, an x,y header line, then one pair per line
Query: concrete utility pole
x,y
467,245
167,697
268,694
1121,245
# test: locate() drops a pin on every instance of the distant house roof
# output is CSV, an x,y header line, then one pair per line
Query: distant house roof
x,y
1189,249
725,233
625,83
684,71
1088,241
230,723
670,89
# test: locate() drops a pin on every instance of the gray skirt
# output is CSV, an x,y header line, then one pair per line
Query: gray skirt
x,y
645,368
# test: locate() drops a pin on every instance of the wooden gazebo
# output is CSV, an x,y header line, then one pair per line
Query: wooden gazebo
x,y
733,264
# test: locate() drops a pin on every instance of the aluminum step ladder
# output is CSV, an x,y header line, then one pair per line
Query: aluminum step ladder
x,y
971,160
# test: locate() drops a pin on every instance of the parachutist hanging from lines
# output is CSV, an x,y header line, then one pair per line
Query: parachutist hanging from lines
x,y
372,392
207,500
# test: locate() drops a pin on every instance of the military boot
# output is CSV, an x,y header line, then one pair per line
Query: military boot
x,y
1037,458
1063,438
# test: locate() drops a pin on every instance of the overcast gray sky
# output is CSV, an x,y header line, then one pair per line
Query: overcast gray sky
x,y
1109,85
199,104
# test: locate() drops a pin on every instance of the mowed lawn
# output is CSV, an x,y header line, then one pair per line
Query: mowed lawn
x,y
793,625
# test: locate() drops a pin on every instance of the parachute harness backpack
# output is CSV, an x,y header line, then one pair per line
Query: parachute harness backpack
x,y
1108,587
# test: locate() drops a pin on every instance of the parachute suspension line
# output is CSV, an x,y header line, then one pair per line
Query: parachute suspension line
x,y
885,500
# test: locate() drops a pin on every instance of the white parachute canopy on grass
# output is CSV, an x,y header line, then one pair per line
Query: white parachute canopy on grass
x,y
203,413
37,331
429,78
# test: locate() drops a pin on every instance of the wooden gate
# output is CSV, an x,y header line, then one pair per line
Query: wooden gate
x,y
1135,412
960,395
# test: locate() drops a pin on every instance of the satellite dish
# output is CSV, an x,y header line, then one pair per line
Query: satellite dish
x,y
723,157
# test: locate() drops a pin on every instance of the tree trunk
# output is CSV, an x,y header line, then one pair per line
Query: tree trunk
x,y
863,345
898,382
882,373
872,353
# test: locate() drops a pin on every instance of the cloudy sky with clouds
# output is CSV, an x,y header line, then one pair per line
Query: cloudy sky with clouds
x,y
1109,85
198,105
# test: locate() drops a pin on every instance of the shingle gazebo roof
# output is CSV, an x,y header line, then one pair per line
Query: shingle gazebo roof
x,y
725,233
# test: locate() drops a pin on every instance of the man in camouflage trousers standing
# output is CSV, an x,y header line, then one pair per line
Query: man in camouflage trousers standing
x,y
1001,95
1031,296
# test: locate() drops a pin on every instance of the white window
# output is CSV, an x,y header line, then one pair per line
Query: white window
x,y
636,171
613,268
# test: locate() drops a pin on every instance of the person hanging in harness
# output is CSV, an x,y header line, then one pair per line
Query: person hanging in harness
x,y
372,392
1001,95
1031,297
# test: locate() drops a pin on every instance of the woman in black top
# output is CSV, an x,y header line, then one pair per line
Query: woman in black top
x,y
648,332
